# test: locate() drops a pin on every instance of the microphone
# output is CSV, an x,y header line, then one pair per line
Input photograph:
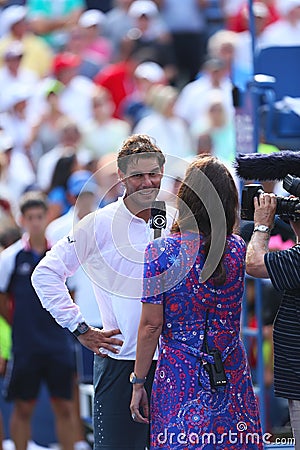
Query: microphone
x,y
273,166
158,219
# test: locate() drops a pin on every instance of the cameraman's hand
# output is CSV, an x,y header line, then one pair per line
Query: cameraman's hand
x,y
264,209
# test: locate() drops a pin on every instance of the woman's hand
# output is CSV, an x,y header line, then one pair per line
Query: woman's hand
x,y
139,402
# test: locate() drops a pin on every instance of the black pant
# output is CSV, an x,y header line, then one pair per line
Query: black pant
x,y
114,428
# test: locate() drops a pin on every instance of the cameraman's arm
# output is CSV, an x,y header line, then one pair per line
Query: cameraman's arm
x,y
264,212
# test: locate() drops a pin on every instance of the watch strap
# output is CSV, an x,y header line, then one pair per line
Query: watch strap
x,y
81,329
134,380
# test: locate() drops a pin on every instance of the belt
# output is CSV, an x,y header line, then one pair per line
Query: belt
x,y
203,357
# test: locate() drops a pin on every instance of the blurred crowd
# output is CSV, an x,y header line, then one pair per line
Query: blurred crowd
x,y
78,77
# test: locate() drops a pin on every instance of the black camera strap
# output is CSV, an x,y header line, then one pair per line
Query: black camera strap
x,y
205,344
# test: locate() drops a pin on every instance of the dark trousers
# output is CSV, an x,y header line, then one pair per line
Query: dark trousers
x,y
114,428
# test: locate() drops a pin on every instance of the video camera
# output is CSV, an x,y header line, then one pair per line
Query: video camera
x,y
275,166
286,208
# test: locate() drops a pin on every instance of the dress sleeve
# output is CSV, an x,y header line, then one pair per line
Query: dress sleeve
x,y
153,275
283,268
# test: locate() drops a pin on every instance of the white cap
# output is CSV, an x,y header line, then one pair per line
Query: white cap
x,y
6,142
142,7
91,17
18,94
260,9
285,6
12,15
150,71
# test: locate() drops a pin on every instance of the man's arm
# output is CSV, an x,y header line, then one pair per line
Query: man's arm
x,y
264,212
49,282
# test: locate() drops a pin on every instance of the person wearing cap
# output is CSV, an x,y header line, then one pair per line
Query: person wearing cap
x,y
119,22
135,107
145,35
17,172
12,72
37,54
239,21
75,98
97,48
286,31
192,99
53,20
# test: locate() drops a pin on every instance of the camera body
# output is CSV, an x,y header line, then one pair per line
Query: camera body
x,y
286,208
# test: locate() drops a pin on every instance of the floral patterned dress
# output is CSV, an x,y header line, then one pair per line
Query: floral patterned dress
x,y
185,412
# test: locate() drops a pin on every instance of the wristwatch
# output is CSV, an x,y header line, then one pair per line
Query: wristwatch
x,y
134,380
81,329
262,228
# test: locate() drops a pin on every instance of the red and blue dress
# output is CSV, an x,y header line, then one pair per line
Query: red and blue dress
x,y
186,413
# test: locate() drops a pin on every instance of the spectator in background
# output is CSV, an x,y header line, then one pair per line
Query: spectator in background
x,y
75,99
17,120
135,107
169,131
119,79
75,44
53,19
239,22
12,73
16,172
103,133
118,23
221,45
45,130
37,54
218,125
285,31
97,48
107,178
69,143
192,100
145,35
186,22
58,200
35,359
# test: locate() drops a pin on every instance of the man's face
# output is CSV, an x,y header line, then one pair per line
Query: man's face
x,y
142,182
34,221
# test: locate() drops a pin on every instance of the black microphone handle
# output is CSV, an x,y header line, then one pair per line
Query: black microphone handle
x,y
157,233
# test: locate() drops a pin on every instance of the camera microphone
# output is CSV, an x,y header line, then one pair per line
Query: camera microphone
x,y
158,219
273,166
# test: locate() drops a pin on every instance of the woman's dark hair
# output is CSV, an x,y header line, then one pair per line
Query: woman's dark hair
x,y
62,171
193,215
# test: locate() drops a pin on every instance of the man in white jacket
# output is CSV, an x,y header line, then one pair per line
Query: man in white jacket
x,y
110,245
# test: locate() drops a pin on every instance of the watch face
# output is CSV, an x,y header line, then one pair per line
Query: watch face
x,y
132,378
82,328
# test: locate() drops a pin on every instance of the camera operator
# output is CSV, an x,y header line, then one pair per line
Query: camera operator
x,y
283,268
